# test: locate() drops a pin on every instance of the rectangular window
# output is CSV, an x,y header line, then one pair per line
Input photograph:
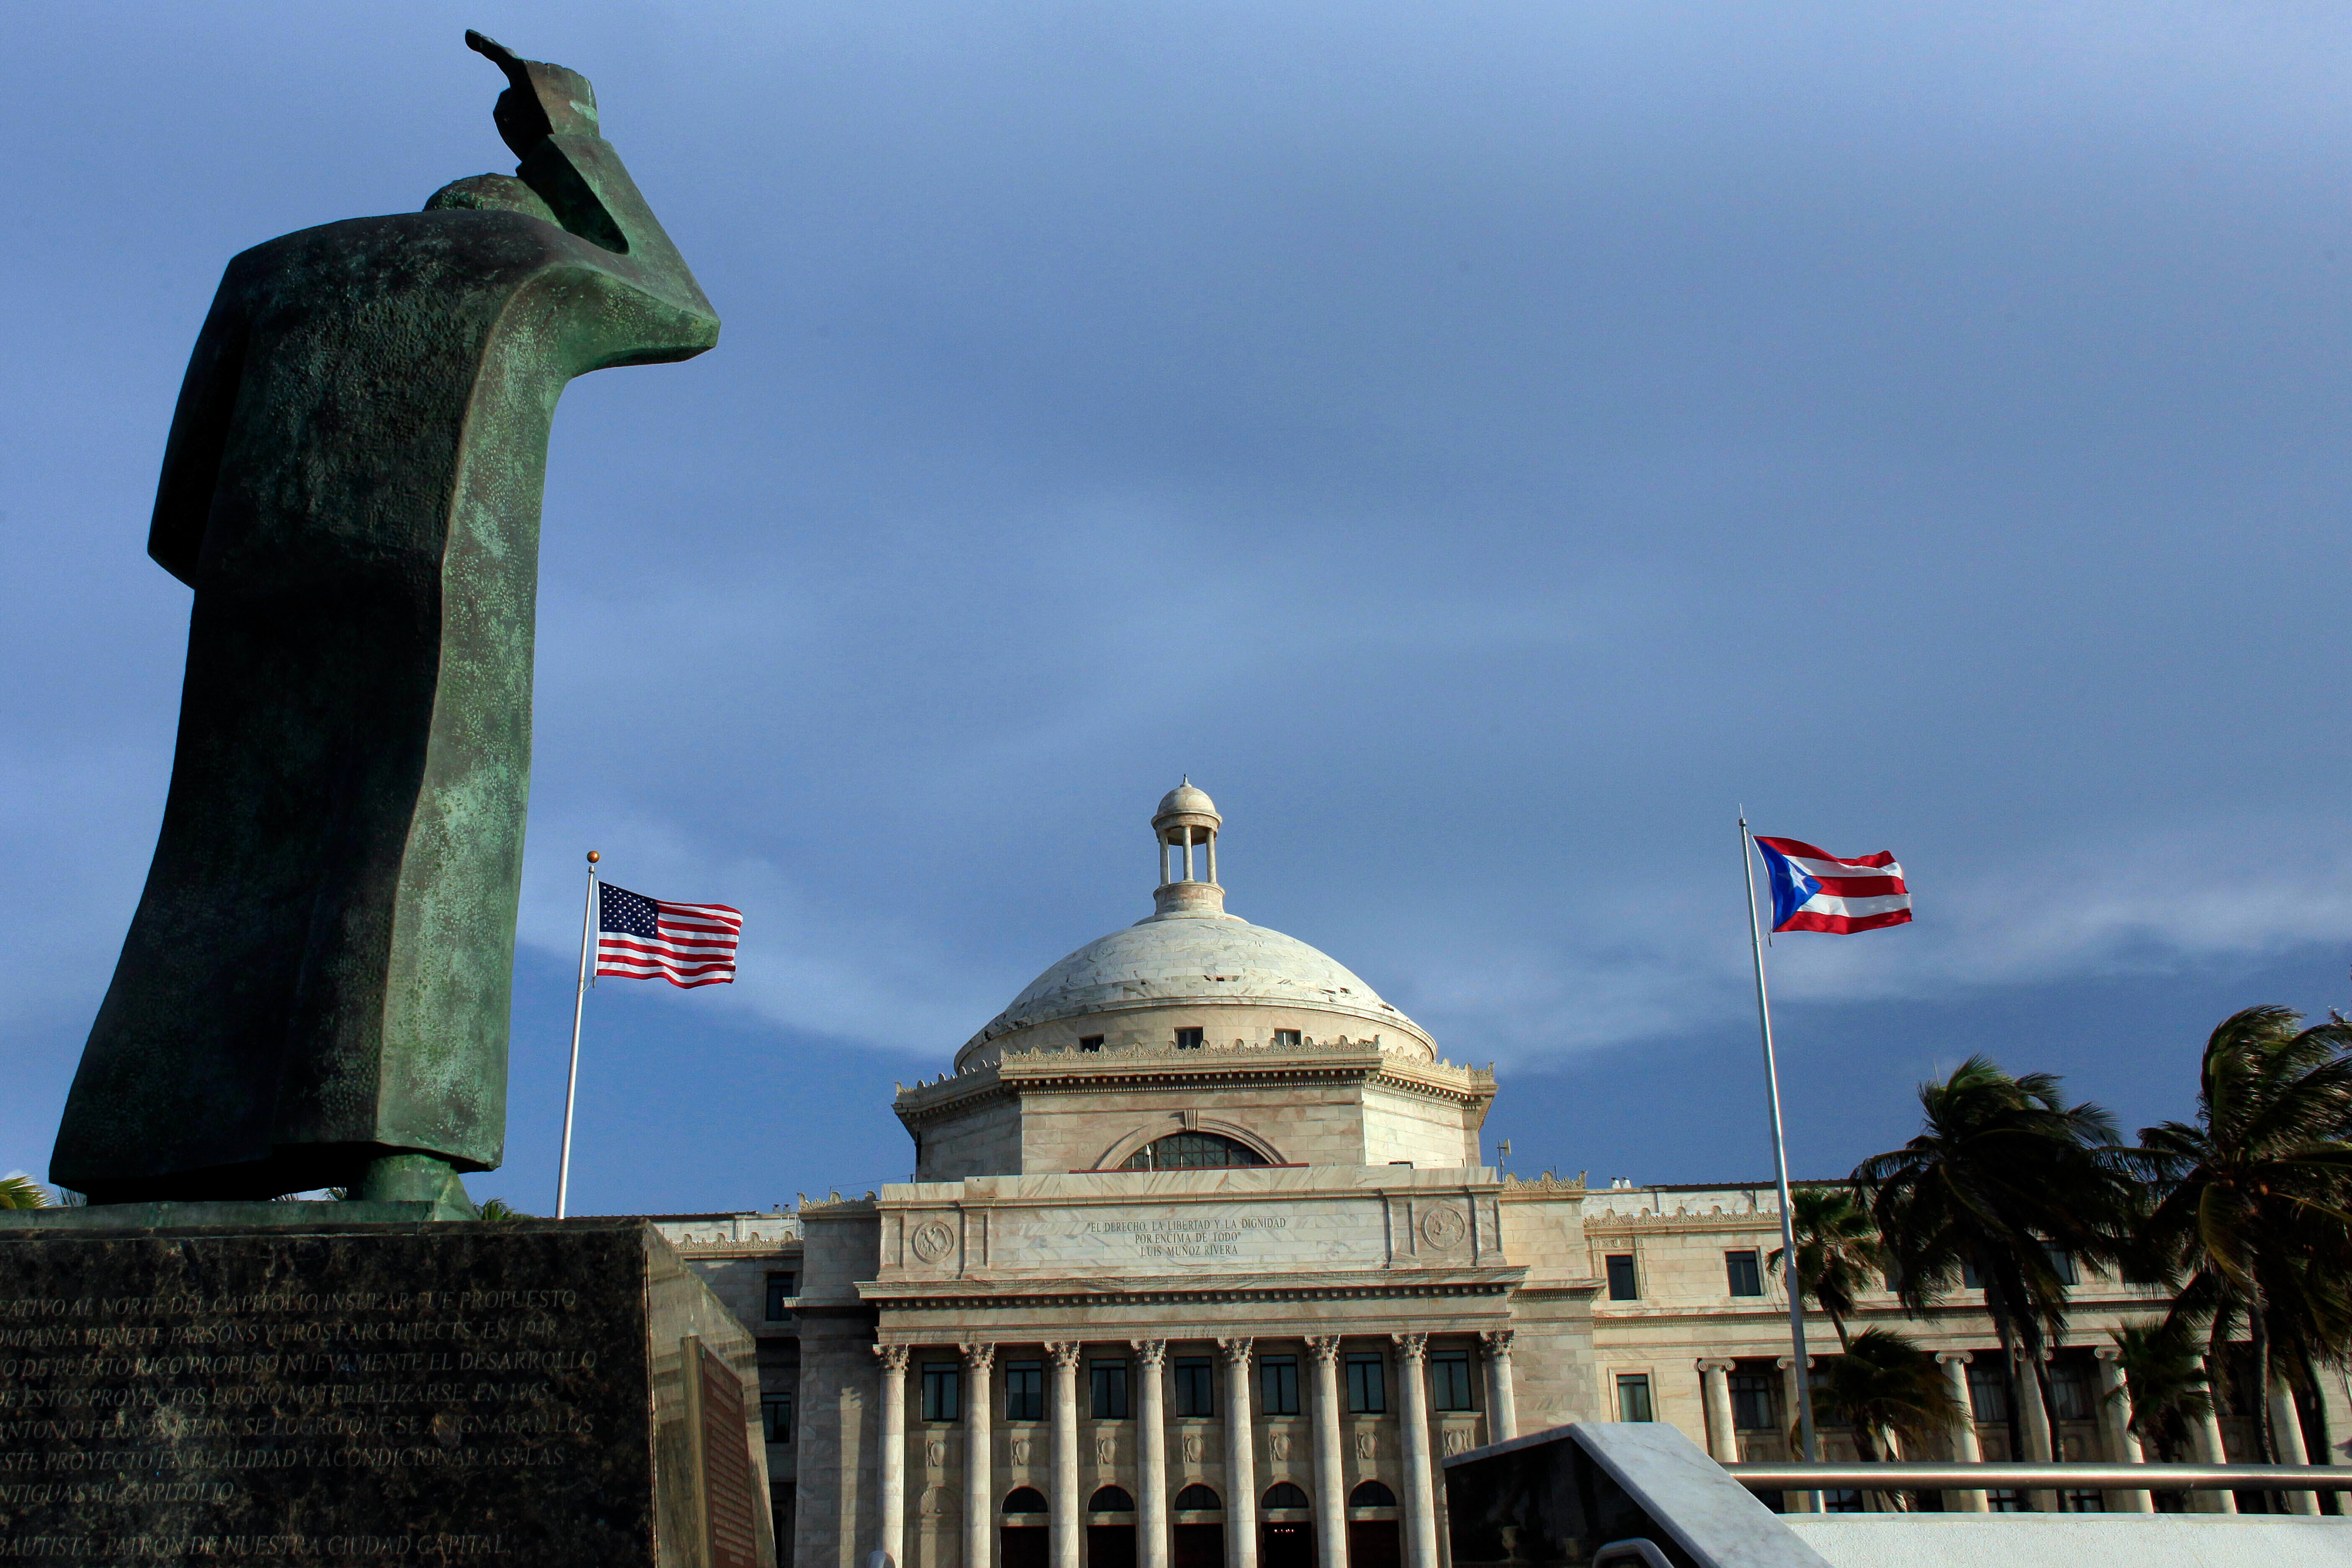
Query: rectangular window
x,y
2070,1392
1746,1275
1188,1039
1196,1386
1284,1038
1278,1386
1753,1399
1449,1379
1621,1277
1368,1384
1108,1379
1025,1391
2062,1264
1970,1280
1988,1391
1090,1042
776,1416
1633,1396
782,1289
942,1391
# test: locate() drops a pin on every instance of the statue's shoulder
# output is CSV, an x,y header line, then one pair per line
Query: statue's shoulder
x,y
421,249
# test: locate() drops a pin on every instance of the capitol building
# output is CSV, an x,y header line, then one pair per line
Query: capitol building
x,y
1203,1266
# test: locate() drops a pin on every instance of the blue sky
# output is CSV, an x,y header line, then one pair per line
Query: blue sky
x,y
1482,445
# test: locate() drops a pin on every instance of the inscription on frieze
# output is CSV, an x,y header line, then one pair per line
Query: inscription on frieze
x,y
1198,1236
321,1398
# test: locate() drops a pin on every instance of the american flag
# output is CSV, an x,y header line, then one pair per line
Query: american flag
x,y
638,938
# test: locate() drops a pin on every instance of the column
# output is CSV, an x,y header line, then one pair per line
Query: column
x,y
1793,1394
892,1543
1420,1493
2114,1416
1502,1405
1241,1459
1330,1479
1151,1444
2041,1436
1714,1387
1965,1446
2211,1450
2286,1435
1065,1453
979,1473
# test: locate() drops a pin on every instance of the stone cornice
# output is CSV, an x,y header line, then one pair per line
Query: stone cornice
x,y
1121,1067
985,1292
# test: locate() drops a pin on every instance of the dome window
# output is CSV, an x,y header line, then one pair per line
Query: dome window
x,y
1193,1151
1189,1039
1286,1040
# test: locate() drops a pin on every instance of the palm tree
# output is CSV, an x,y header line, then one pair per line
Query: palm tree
x,y
2004,1176
21,1191
499,1208
1889,1390
2164,1378
1837,1250
2255,1202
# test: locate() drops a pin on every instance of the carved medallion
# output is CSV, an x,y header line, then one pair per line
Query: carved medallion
x,y
933,1240
1366,1445
1279,1445
1106,1450
936,1452
1192,1447
1457,1440
1021,1450
1443,1228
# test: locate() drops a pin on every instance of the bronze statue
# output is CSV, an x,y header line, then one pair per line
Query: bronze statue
x,y
315,988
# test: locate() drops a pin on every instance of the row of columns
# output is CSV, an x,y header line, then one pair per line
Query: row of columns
x,y
2114,1420
1241,1479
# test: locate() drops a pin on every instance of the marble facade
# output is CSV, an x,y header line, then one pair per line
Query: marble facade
x,y
1201,1268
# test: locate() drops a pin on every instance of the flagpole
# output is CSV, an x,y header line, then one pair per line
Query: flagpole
x,y
579,1004
1780,1159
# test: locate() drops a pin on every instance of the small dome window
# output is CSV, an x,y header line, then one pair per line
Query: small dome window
x,y
1371,1494
1025,1500
1200,1498
1193,1151
1111,1500
1283,1494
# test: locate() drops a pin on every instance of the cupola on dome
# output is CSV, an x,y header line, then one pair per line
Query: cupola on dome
x,y
1189,957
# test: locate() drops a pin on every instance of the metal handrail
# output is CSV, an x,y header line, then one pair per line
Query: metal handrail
x,y
1776,1476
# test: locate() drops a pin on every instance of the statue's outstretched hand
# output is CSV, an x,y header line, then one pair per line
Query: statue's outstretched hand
x,y
542,100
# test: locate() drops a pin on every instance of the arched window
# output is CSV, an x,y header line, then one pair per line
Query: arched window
x,y
1025,1500
1371,1494
1283,1494
1193,1151
1198,1496
1111,1500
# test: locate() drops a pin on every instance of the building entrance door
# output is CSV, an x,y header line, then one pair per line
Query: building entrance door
x,y
1372,1543
1025,1546
1200,1546
1288,1545
1107,1546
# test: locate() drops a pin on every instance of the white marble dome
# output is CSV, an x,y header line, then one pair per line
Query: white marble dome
x,y
1192,956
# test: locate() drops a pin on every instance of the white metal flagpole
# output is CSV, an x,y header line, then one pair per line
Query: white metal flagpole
x,y
1780,1159
572,1084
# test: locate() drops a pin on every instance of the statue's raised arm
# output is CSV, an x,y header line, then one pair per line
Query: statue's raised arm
x,y
314,990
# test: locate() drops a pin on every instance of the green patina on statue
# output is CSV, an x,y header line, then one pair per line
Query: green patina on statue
x,y
315,987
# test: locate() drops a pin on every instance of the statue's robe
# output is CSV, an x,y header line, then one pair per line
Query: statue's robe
x,y
320,969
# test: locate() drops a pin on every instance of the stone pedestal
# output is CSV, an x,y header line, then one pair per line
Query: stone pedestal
x,y
331,1391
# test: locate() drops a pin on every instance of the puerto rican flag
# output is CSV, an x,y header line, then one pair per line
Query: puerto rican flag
x,y
1813,890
